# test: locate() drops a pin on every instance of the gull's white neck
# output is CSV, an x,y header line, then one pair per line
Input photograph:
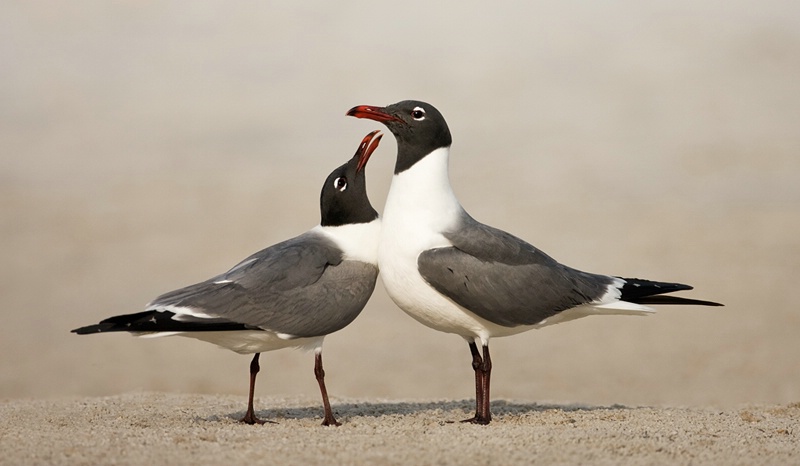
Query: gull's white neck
x,y
358,241
421,196
420,207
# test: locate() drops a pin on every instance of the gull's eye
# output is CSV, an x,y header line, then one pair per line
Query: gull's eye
x,y
340,183
418,113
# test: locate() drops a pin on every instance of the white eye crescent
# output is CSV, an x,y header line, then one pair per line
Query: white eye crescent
x,y
340,183
418,113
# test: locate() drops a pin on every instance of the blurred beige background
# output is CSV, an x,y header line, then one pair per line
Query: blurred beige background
x,y
149,145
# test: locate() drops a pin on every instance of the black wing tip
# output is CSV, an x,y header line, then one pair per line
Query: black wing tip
x,y
677,300
159,321
120,323
97,328
652,284
641,291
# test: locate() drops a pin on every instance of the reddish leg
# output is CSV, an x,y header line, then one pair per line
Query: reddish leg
x,y
483,372
319,372
250,415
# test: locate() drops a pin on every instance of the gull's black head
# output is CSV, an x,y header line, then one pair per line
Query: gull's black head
x,y
418,127
344,200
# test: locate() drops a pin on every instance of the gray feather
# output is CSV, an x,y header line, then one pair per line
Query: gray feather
x,y
503,279
299,287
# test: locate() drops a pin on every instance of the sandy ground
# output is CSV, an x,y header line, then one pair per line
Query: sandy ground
x,y
144,147
158,428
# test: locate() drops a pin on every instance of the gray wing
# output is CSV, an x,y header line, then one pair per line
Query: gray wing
x,y
503,279
300,287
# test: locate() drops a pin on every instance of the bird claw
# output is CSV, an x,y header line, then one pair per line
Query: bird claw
x,y
477,420
251,419
331,422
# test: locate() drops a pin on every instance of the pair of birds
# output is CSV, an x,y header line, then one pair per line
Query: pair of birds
x,y
441,266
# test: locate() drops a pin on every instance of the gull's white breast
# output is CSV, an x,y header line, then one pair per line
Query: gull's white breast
x,y
420,205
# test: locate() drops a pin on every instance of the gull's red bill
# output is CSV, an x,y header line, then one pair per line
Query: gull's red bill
x,y
366,148
373,113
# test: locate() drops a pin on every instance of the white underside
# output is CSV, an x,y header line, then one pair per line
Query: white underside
x,y
420,204
247,341
240,341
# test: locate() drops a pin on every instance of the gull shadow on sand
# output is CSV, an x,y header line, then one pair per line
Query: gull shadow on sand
x,y
445,411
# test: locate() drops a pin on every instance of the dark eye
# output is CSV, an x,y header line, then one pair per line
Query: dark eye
x,y
418,113
340,183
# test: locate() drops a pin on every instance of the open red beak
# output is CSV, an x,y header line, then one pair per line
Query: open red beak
x,y
372,113
366,148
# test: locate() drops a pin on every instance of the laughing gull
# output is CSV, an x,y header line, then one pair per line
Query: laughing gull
x,y
291,294
457,275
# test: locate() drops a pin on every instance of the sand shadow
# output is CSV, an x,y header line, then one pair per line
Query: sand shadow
x,y
446,411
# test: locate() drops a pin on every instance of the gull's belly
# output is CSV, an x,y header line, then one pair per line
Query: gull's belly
x,y
409,290
248,341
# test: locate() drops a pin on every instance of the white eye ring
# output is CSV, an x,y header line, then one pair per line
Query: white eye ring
x,y
340,183
418,113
